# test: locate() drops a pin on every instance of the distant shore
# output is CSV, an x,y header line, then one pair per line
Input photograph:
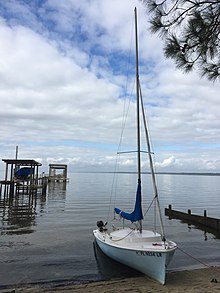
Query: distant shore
x,y
159,173
199,280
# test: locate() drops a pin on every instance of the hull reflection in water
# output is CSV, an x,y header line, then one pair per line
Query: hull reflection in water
x,y
145,251
109,268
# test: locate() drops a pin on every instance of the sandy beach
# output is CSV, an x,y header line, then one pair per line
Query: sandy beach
x,y
200,280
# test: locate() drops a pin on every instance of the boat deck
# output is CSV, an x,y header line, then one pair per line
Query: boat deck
x,y
133,239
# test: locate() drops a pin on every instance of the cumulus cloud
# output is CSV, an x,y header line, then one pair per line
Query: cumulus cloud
x,y
63,78
167,162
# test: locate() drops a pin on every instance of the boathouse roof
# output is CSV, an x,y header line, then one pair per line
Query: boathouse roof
x,y
58,166
22,162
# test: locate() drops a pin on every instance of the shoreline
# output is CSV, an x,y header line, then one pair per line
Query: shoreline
x,y
197,280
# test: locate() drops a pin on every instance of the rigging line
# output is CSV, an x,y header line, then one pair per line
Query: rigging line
x,y
152,158
125,111
116,240
124,119
116,169
151,162
149,206
116,181
113,184
125,116
129,56
193,257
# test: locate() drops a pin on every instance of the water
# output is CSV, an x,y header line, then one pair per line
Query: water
x,y
49,239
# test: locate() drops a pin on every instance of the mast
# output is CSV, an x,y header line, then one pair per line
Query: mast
x,y
136,215
138,113
138,99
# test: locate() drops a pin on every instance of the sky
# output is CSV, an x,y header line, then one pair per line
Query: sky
x,y
67,76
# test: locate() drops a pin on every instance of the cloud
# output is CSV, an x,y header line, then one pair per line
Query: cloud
x,y
169,162
64,81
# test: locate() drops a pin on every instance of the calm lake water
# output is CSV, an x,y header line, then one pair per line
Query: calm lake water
x,y
49,239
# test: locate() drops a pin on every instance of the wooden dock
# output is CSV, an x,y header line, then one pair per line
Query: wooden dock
x,y
58,173
203,222
22,177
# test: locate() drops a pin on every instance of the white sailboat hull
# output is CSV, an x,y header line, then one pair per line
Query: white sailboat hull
x,y
140,249
144,251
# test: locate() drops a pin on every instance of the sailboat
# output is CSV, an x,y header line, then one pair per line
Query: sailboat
x,y
144,250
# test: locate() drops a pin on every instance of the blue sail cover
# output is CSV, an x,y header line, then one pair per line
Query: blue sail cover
x,y
24,172
137,214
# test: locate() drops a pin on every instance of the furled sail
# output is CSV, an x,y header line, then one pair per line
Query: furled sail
x,y
137,214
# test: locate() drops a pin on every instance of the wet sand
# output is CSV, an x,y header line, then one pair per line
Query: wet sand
x,y
200,280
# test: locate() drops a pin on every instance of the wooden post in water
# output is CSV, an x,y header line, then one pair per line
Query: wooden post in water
x,y
203,222
44,186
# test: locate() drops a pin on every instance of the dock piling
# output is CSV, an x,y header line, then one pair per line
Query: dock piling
x,y
200,221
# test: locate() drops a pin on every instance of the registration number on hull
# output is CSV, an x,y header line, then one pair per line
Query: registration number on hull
x,y
148,253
